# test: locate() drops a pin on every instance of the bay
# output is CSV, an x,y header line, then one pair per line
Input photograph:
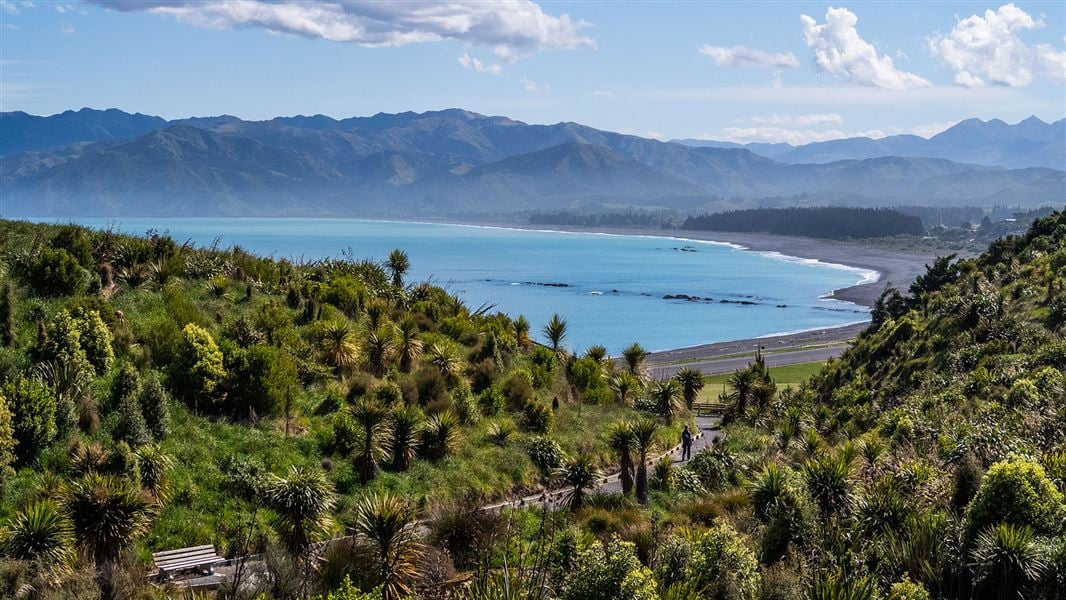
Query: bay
x,y
612,289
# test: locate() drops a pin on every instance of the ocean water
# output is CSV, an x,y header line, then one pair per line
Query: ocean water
x,y
611,289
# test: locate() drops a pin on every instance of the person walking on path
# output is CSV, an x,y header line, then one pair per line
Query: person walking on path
x,y
686,444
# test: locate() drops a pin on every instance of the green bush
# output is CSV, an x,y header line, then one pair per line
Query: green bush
x,y
75,241
492,401
610,572
7,438
907,590
260,379
80,337
155,406
518,390
33,409
198,373
545,453
721,562
1016,492
537,416
56,273
8,316
125,393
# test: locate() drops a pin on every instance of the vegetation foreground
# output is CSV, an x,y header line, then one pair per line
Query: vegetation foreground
x,y
157,395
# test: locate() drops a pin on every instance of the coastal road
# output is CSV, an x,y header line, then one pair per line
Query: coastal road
x,y
715,366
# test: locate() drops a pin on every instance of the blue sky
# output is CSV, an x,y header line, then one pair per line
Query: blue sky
x,y
795,71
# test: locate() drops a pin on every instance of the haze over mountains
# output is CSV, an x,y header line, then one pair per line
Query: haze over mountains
x,y
452,162
1029,143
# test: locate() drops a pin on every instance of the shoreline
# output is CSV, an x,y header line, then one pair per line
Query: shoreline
x,y
879,268
893,268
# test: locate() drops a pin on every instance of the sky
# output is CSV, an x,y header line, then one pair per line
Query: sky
x,y
741,71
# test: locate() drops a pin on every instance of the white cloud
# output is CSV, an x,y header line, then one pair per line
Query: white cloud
x,y
512,28
603,93
1053,62
534,88
9,7
807,119
840,51
471,63
988,49
744,135
68,29
742,56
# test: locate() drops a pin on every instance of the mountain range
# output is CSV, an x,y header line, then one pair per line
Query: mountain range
x,y
1028,143
112,163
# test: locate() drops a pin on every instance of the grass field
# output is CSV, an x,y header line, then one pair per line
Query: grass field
x,y
785,376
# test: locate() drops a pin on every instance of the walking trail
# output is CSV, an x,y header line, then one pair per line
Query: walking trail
x,y
705,435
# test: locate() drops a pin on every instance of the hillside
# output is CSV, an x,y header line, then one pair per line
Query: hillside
x,y
200,396
934,451
441,163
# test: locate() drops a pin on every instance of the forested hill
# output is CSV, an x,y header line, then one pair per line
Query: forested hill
x,y
821,222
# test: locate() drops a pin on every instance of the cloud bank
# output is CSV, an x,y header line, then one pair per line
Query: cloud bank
x,y
512,28
841,51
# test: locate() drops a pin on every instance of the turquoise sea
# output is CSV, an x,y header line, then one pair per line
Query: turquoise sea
x,y
610,288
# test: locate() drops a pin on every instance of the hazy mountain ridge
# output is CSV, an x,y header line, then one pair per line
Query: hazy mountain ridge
x,y
1028,143
446,162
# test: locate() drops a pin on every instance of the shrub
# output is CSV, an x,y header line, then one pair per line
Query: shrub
x,y
132,427
538,417
56,273
466,407
721,562
518,390
716,467
545,453
80,337
7,438
40,533
907,590
968,476
155,406
8,308
33,409
198,371
610,572
491,400
1018,492
75,240
1023,394
587,374
260,379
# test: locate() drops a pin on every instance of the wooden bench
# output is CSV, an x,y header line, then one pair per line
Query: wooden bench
x,y
196,558
709,409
